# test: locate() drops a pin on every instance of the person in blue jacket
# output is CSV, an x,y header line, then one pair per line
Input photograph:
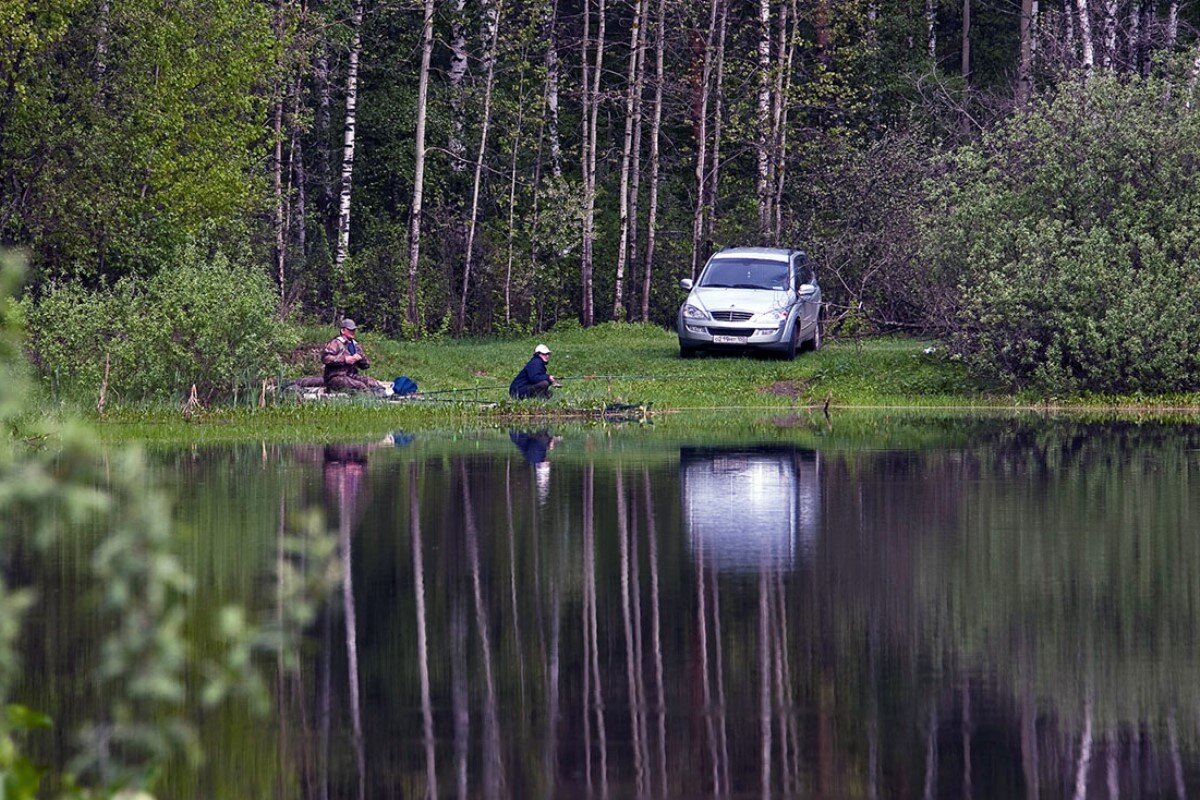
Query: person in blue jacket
x,y
534,380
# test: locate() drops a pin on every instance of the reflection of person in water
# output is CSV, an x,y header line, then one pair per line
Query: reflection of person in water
x,y
534,445
345,468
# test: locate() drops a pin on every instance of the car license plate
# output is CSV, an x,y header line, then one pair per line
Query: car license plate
x,y
729,339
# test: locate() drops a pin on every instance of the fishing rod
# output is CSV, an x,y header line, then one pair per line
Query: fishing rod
x,y
582,377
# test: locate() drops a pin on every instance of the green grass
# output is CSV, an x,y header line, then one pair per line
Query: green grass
x,y
610,363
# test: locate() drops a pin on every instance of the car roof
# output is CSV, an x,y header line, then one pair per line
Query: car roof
x,y
764,253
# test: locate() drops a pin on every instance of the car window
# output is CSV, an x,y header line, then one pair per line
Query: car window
x,y
745,273
804,273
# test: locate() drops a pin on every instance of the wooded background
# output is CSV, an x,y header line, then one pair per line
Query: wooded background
x,y
497,166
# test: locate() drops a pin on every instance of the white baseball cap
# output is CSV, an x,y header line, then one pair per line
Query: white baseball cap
x,y
541,348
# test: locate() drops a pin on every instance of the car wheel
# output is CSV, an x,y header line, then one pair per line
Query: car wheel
x,y
793,344
686,352
818,338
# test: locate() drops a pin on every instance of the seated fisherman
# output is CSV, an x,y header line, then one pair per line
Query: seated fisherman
x,y
534,380
343,357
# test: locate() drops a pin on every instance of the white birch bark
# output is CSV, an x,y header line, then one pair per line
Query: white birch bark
x,y
1172,25
779,122
592,110
713,182
632,89
762,183
491,24
702,142
454,77
414,228
655,129
552,81
351,125
1085,35
931,30
1110,35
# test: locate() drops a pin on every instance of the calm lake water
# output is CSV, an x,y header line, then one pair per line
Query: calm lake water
x,y
891,607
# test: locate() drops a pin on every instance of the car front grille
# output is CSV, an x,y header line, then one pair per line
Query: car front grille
x,y
731,316
731,331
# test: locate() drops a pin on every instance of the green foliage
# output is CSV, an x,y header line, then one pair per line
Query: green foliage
x,y
1072,235
205,321
131,127
55,482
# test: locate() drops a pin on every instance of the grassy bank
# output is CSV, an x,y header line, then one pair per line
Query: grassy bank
x,y
465,383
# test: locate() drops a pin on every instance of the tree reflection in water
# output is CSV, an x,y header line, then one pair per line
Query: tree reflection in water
x,y
1002,609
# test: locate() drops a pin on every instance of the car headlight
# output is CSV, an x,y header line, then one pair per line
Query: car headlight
x,y
774,316
694,312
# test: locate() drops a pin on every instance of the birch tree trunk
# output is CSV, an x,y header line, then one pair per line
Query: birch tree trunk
x,y
491,16
1025,64
552,80
1172,25
931,31
702,141
713,181
414,226
762,185
454,75
591,111
351,125
655,128
779,122
1085,35
632,90
1110,35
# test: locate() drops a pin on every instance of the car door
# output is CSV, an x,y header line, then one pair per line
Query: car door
x,y
806,314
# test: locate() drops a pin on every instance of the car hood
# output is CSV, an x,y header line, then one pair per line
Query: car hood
x,y
755,301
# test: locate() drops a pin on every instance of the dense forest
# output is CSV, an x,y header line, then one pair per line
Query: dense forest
x,y
497,167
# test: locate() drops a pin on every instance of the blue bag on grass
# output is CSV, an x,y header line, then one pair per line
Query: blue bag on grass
x,y
404,385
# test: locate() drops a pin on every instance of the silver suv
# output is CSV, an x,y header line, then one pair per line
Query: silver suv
x,y
756,297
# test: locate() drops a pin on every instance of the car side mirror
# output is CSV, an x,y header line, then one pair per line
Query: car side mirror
x,y
806,290
686,283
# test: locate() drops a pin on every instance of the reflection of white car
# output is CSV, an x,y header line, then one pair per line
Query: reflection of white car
x,y
749,510
757,297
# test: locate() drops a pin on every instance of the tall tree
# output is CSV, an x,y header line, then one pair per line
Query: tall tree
x,y
1025,64
764,144
591,111
348,133
1085,34
701,128
655,130
414,226
633,89
491,26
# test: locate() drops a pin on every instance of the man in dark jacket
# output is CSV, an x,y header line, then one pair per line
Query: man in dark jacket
x,y
343,357
534,380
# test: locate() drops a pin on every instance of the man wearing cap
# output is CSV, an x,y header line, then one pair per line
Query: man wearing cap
x,y
343,357
534,380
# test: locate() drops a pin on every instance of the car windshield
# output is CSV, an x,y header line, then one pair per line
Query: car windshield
x,y
745,273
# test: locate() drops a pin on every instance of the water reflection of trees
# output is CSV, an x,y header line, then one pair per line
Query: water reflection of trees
x,y
975,623
1012,617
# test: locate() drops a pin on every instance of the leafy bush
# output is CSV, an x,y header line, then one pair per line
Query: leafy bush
x,y
1072,234
203,321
